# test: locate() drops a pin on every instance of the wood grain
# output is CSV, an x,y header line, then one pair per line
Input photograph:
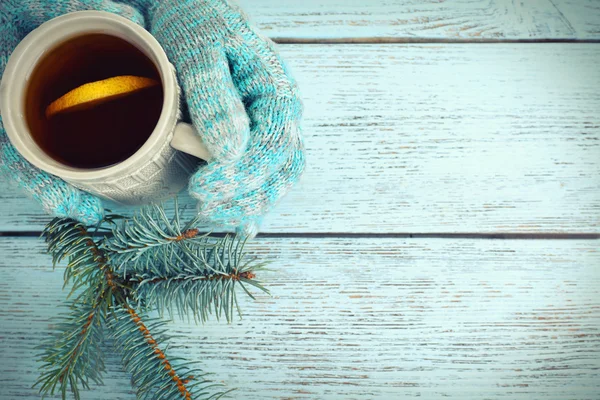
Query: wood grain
x,y
435,138
355,319
405,20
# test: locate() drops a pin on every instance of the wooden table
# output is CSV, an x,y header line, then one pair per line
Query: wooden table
x,y
444,239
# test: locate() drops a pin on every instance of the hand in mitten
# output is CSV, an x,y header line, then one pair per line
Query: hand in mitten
x,y
17,19
244,103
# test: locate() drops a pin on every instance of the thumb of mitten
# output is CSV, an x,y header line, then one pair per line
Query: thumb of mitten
x,y
63,200
82,207
249,229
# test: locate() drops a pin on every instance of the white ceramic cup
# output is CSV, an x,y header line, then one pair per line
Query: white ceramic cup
x,y
157,170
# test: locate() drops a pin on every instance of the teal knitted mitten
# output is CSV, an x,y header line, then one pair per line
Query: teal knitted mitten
x,y
240,98
56,197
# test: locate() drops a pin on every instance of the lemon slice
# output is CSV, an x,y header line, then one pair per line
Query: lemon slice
x,y
94,93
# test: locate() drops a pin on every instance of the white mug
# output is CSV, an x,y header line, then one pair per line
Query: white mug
x,y
157,170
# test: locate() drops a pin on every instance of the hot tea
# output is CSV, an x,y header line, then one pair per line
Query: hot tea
x,y
107,133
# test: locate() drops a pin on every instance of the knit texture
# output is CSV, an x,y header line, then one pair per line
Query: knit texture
x,y
238,94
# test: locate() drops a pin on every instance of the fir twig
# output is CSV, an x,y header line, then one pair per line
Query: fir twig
x,y
151,261
154,375
151,237
69,239
196,289
179,269
73,355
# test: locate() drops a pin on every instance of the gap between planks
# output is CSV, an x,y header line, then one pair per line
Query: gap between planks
x,y
399,235
408,40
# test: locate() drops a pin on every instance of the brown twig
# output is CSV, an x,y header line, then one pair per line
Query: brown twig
x,y
216,277
84,330
189,234
161,355
109,276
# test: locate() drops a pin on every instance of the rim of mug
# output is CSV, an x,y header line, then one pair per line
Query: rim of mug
x,y
47,36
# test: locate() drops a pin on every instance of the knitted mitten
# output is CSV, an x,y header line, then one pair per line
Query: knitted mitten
x,y
241,70
56,196
240,98
17,19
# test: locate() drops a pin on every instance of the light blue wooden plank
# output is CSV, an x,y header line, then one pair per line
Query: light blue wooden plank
x,y
436,138
355,319
429,19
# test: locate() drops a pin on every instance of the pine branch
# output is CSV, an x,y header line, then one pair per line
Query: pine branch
x,y
195,290
150,238
151,261
154,375
69,239
178,269
72,354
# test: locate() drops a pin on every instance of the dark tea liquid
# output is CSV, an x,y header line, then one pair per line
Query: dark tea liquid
x,y
102,135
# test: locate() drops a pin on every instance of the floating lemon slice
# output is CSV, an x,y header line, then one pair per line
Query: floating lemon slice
x,y
95,93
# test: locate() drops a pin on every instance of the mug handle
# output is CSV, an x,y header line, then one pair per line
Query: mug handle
x,y
187,140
